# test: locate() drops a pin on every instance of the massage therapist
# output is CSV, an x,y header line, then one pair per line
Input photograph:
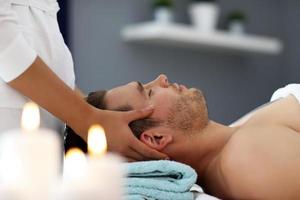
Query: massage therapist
x,y
36,64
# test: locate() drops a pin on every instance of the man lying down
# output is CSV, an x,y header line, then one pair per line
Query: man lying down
x,y
257,159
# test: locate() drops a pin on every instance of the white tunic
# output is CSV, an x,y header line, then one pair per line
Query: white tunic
x,y
29,28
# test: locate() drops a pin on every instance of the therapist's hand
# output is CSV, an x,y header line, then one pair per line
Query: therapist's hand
x,y
120,139
43,86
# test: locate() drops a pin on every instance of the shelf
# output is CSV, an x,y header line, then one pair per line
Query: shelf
x,y
188,37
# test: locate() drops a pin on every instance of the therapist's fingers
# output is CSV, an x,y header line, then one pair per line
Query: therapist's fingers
x,y
147,152
139,114
134,155
130,160
140,157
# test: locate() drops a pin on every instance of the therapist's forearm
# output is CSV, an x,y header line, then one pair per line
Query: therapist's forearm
x,y
79,92
43,86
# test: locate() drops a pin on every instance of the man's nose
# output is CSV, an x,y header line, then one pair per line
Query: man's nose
x,y
163,81
160,81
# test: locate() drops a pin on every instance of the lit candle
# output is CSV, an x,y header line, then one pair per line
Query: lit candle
x,y
97,145
30,120
74,165
104,171
98,176
29,158
74,184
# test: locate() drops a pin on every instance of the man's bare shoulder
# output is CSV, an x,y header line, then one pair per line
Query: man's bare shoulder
x,y
259,162
284,112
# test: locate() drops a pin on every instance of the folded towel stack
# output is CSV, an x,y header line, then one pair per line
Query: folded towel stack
x,y
159,180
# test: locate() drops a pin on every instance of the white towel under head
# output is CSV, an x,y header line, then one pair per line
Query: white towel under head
x,y
293,89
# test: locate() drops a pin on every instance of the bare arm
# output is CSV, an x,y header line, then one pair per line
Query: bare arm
x,y
79,92
40,84
43,86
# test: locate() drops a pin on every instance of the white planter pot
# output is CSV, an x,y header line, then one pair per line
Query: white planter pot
x,y
204,16
163,15
237,27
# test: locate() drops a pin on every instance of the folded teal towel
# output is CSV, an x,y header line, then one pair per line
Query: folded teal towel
x,y
159,180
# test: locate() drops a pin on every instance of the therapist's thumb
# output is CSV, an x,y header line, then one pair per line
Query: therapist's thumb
x,y
139,114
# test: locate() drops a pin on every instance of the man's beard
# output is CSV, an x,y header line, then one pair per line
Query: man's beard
x,y
188,113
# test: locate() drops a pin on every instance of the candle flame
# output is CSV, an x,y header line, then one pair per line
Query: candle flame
x,y
97,144
75,164
30,117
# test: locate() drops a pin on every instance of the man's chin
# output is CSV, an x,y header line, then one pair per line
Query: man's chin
x,y
193,89
183,88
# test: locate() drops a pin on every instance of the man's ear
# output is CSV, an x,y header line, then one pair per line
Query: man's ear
x,y
156,140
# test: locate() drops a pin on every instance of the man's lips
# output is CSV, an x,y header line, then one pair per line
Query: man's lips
x,y
180,87
176,86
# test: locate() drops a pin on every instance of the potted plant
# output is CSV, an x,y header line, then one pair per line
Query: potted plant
x,y
236,22
204,14
163,11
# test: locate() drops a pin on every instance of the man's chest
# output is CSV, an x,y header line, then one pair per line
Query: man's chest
x,y
268,152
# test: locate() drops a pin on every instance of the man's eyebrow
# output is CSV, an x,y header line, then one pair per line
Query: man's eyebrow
x,y
140,87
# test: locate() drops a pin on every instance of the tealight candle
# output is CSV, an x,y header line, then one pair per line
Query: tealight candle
x,y
29,158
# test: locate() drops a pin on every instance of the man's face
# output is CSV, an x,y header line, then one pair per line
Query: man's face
x,y
173,103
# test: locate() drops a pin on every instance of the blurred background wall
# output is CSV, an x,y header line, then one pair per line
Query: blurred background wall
x,y
233,84
292,39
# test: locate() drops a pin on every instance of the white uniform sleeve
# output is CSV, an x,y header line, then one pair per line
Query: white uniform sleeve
x,y
293,89
15,53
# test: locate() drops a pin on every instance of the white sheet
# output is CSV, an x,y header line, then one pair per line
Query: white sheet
x,y
293,89
200,195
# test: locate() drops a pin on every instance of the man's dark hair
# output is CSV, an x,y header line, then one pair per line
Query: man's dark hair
x,y
97,99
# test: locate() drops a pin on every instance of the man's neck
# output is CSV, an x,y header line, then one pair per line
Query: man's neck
x,y
201,149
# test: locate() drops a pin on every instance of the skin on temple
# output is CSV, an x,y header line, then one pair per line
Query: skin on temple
x,y
259,159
